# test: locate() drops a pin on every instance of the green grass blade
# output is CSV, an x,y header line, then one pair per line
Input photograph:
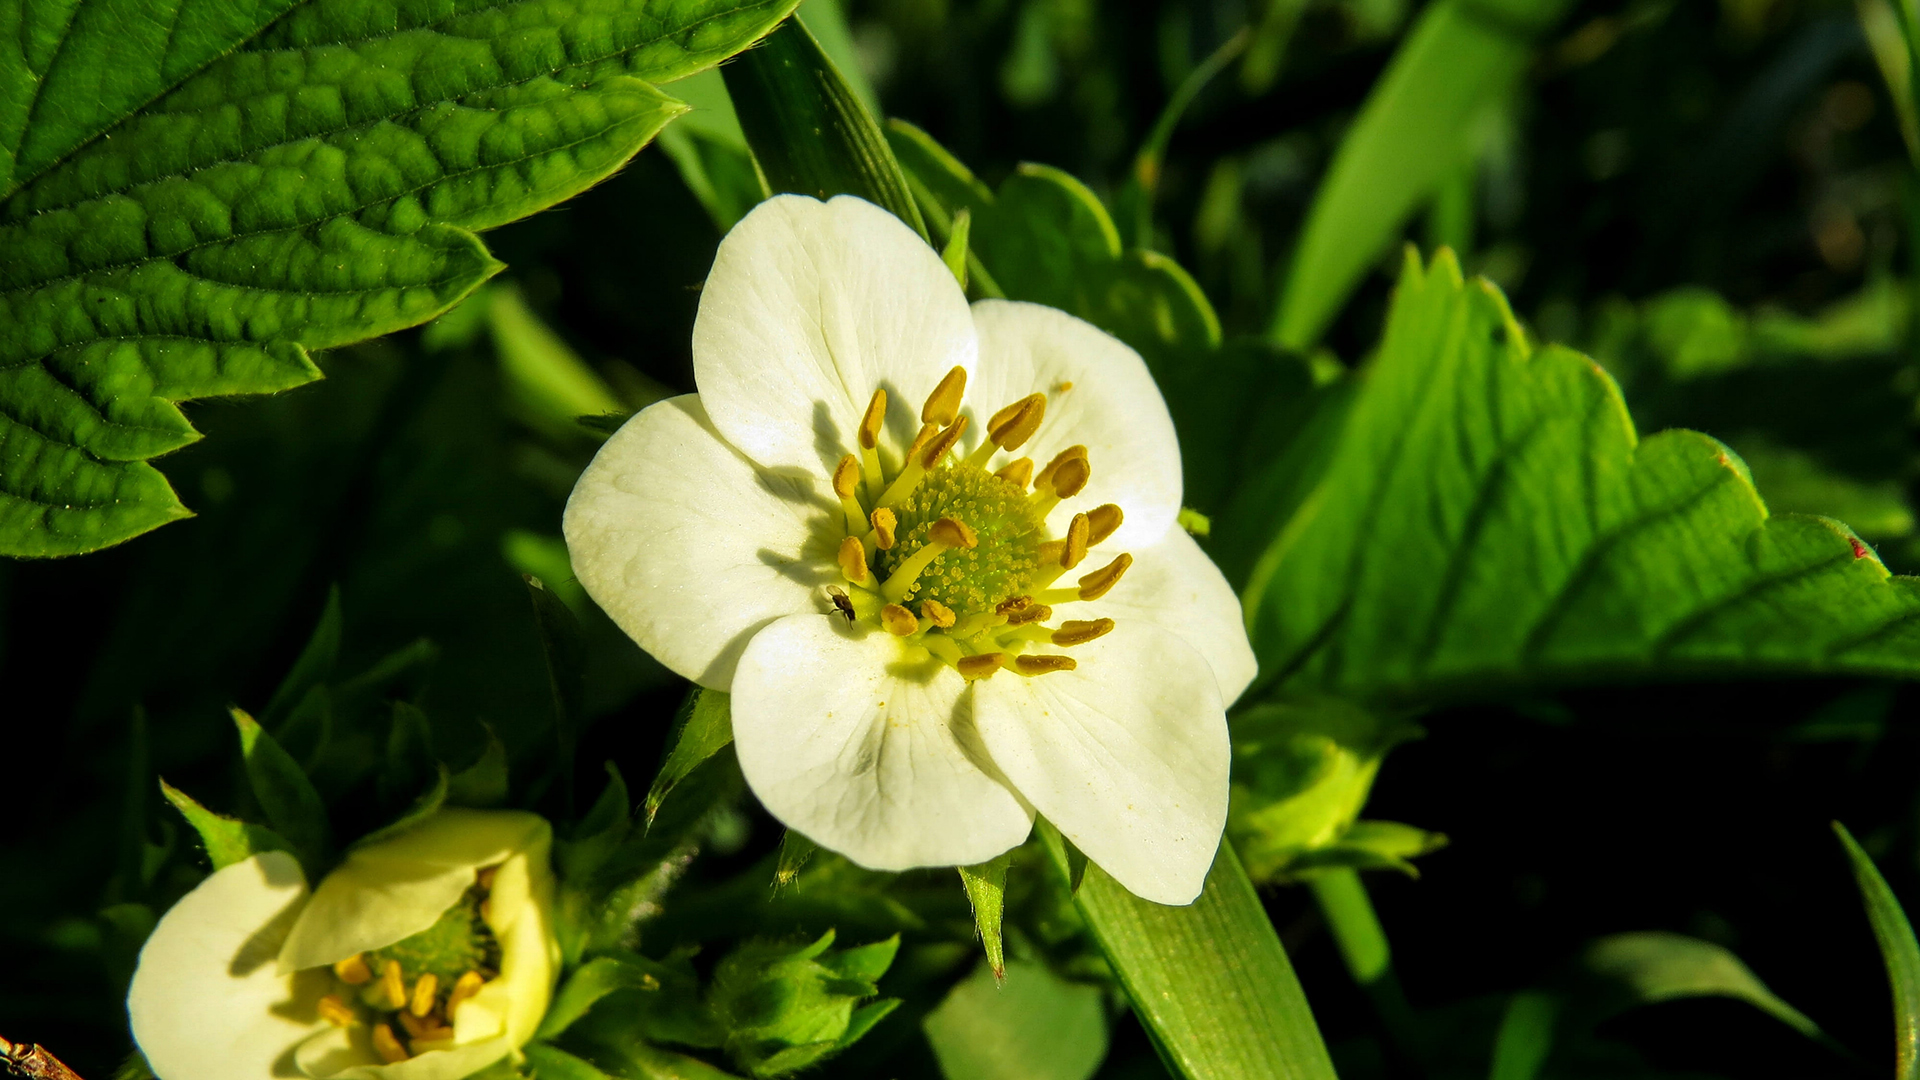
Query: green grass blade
x,y
1898,948
1210,980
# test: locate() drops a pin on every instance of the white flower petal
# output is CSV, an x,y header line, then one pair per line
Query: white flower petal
x,y
866,749
689,547
1127,755
1175,586
345,1054
809,308
393,889
1113,408
207,1001
520,914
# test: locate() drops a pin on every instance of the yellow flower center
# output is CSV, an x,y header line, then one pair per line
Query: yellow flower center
x,y
956,558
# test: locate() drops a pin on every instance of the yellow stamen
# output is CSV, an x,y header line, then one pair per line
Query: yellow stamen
x,y
945,533
463,988
353,970
1018,472
870,439
1076,549
387,1046
1012,426
1105,519
1044,481
393,985
981,666
884,522
924,454
846,484
898,621
336,1012
944,403
423,1029
1049,554
1033,614
936,613
1081,631
1012,604
943,647
1095,585
423,992
1071,477
940,446
853,561
483,877
927,431
1041,663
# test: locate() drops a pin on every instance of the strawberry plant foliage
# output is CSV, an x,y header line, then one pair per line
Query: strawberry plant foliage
x,y
191,208
1490,519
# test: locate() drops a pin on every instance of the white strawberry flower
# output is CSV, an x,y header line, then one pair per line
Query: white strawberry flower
x,y
426,956
905,600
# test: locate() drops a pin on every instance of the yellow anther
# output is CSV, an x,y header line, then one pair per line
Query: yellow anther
x,y
981,666
1012,604
853,561
944,403
336,1012
1081,631
1071,477
942,444
1044,481
1031,614
1095,585
463,988
427,1029
1105,520
846,477
1041,663
898,621
1018,472
952,532
353,970
870,423
927,432
483,877
1049,553
1077,539
387,1046
393,985
936,613
1012,426
423,992
884,522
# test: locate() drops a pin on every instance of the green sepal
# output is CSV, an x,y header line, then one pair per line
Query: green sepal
x,y
548,1062
423,806
1898,950
594,980
1071,861
313,667
955,253
291,804
226,839
809,131
564,645
986,886
483,784
703,728
786,1007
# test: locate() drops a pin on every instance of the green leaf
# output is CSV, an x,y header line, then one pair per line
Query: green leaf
x,y
1034,1026
808,129
547,1062
636,1061
703,729
1651,967
313,667
292,806
1418,126
482,784
592,981
546,381
300,185
1209,980
986,886
227,840
564,646
1525,1038
1897,948
1490,520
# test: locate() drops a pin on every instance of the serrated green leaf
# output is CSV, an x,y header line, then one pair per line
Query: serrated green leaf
x,y
227,840
1535,539
1898,949
703,729
1209,980
986,886
312,668
1418,126
312,184
809,131
1033,1026
292,806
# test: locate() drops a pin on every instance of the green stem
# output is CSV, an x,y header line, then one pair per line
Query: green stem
x,y
1363,946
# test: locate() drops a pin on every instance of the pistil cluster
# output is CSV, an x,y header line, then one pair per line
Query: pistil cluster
x,y
955,556
407,992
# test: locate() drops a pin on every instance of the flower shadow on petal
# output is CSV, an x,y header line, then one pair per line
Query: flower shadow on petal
x,y
264,946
